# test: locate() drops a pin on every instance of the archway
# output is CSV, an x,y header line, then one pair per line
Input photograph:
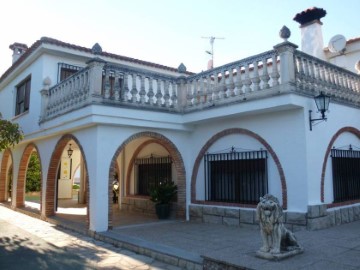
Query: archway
x,y
59,183
251,134
30,155
5,176
174,153
351,130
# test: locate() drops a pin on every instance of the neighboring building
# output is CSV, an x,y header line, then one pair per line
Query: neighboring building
x,y
225,136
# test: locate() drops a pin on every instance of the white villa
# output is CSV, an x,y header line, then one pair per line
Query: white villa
x,y
225,136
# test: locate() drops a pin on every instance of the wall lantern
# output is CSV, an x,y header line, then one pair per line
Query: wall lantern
x,y
70,151
322,103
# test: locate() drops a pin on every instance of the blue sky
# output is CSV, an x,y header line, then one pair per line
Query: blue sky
x,y
169,32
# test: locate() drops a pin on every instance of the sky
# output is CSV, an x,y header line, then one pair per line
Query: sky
x,y
169,32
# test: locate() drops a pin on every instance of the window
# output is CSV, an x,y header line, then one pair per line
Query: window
x,y
236,177
66,70
346,174
151,172
23,96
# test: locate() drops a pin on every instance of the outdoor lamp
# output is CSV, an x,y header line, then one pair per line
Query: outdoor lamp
x,y
322,103
70,151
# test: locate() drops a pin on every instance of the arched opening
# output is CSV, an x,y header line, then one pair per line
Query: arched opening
x,y
67,197
234,132
28,191
343,140
139,163
6,177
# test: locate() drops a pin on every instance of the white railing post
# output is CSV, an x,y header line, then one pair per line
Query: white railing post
x,y
287,62
96,66
44,98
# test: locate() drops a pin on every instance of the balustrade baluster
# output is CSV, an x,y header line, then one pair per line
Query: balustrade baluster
x,y
107,84
189,95
134,90
117,85
166,94
275,73
255,78
173,95
238,83
247,81
150,93
142,92
196,100
125,92
223,88
216,86
158,95
231,84
209,88
265,75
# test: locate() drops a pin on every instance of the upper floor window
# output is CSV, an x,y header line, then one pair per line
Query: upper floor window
x,y
23,96
66,70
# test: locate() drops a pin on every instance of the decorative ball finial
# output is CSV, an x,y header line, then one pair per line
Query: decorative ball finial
x,y
357,67
96,49
284,33
182,68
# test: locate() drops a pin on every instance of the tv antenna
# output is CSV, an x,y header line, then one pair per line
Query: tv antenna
x,y
212,39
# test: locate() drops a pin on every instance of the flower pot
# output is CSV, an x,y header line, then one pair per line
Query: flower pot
x,y
162,211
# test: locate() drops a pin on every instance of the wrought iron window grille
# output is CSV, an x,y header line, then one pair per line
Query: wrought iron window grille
x,y
151,171
346,173
235,176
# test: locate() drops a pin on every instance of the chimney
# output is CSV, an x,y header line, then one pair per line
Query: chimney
x,y
311,33
18,50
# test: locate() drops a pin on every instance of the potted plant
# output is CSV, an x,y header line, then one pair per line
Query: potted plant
x,y
162,195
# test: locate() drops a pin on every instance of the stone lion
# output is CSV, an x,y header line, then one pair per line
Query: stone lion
x,y
275,236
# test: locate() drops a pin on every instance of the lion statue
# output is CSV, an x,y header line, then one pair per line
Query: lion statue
x,y
275,236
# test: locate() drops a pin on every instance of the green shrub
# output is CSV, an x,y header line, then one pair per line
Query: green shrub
x,y
33,174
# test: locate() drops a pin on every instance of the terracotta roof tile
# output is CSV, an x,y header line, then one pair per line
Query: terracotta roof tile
x,y
59,43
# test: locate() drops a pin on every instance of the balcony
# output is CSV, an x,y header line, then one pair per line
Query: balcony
x,y
281,70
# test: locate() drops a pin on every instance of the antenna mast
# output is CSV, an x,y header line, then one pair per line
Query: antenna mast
x,y
212,39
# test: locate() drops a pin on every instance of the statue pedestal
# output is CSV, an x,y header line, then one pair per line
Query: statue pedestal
x,y
279,256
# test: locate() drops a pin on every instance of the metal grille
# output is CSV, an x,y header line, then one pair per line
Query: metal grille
x,y
66,70
346,174
236,177
152,172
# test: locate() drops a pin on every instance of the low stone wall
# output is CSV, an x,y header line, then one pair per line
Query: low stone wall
x,y
317,216
144,206
138,205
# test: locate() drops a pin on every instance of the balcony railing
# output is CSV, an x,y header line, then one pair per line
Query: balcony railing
x,y
280,70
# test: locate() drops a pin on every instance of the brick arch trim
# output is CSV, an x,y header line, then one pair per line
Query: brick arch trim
x,y
178,163
52,174
3,173
352,130
24,161
241,131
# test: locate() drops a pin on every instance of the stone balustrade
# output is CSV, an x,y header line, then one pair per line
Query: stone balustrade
x,y
234,81
282,69
68,95
131,86
315,75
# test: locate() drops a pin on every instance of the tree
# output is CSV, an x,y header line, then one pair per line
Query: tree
x,y
10,133
33,174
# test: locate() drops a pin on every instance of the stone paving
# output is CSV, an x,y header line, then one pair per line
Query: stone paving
x,y
94,254
195,246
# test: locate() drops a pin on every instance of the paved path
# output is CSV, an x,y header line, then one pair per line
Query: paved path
x,y
29,243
